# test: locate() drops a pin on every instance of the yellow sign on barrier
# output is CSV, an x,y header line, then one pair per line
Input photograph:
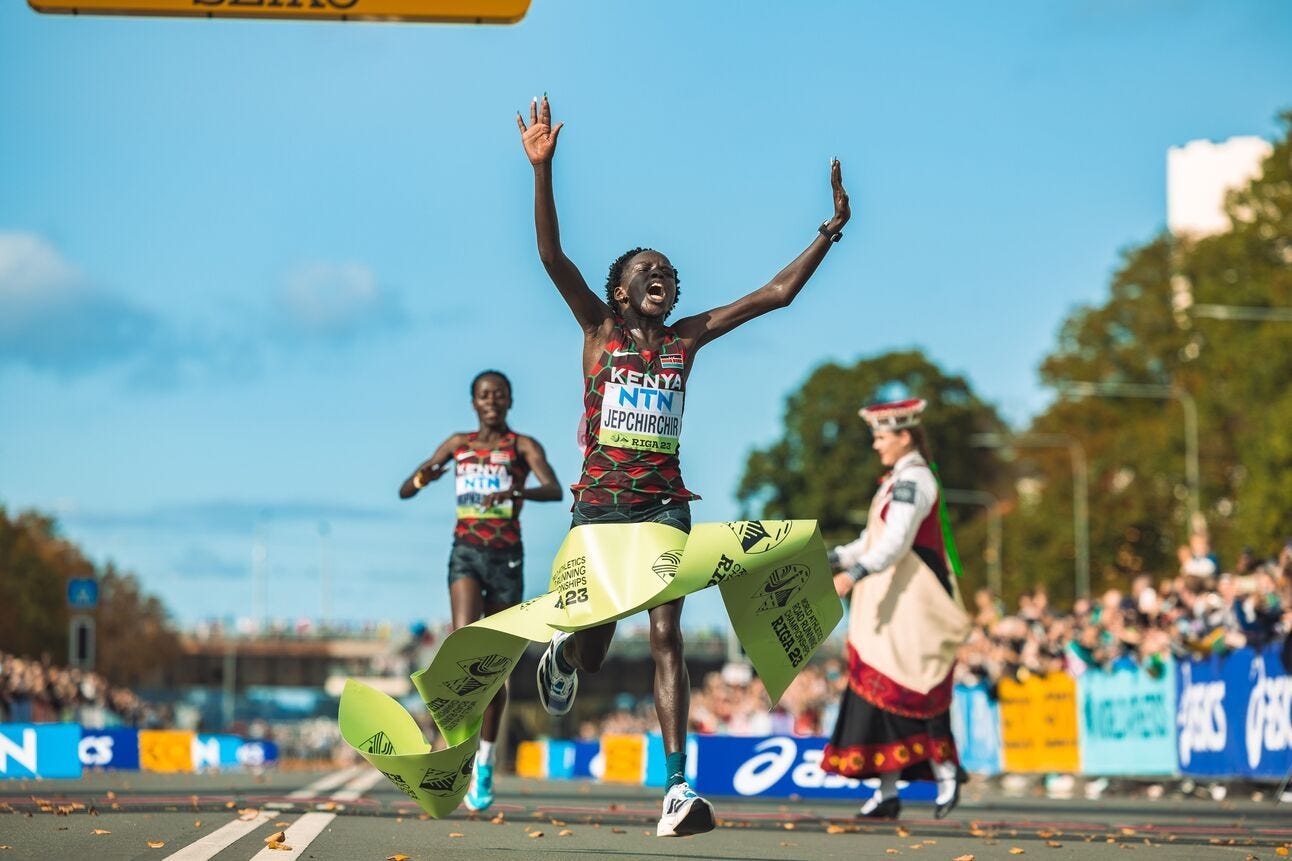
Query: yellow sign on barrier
x,y
168,751
773,576
1038,724
624,757
529,759
444,11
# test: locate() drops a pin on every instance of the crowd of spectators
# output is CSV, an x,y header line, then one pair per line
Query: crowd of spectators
x,y
38,691
1202,610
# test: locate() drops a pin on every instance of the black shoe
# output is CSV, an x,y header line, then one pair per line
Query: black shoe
x,y
889,808
940,811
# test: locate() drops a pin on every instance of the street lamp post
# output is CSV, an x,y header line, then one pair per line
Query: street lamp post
x,y
992,504
1080,492
1157,392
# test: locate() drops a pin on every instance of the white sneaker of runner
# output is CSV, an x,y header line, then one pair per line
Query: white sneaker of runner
x,y
556,689
684,813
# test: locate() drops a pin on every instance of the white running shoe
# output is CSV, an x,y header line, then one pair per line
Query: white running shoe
x,y
684,813
556,689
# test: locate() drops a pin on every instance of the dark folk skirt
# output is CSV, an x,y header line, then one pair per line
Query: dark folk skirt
x,y
884,727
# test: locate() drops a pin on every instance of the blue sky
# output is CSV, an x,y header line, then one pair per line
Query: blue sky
x,y
247,268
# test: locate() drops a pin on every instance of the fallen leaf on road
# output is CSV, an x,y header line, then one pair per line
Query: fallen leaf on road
x,y
788,826
963,858
536,834
1282,850
197,823
891,852
557,822
1016,851
618,831
834,829
1054,844
100,831
156,844
248,813
281,824
276,837
281,847
565,832
497,820
400,856
902,832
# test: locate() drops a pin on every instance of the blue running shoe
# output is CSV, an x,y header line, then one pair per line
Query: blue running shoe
x,y
480,796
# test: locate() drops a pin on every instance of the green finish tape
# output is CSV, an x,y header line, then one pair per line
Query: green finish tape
x,y
775,582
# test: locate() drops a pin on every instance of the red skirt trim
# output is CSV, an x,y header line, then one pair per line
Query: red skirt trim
x,y
882,692
868,760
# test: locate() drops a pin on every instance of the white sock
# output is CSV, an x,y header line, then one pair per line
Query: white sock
x,y
484,756
887,789
946,774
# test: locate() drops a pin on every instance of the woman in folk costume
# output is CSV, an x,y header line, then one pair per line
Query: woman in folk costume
x,y
905,624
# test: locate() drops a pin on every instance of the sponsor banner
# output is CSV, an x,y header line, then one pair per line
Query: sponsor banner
x,y
779,766
167,751
531,759
1126,721
560,760
975,723
1038,724
39,750
254,753
584,753
1234,715
215,752
624,758
117,749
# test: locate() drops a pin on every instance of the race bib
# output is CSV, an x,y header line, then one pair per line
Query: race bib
x,y
475,481
641,417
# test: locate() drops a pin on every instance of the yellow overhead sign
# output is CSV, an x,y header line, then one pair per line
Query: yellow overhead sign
x,y
451,11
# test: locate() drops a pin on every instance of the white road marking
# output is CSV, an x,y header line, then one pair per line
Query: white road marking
x,y
328,781
212,844
301,833
358,780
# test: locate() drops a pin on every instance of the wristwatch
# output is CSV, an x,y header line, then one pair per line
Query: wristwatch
x,y
825,231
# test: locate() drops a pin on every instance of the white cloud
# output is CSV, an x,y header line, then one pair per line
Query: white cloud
x,y
337,302
52,318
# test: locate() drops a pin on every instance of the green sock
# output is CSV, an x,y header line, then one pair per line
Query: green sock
x,y
674,770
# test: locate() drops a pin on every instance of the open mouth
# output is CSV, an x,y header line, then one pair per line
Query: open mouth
x,y
656,293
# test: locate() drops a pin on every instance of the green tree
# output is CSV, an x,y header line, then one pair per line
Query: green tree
x,y
822,467
1237,372
134,637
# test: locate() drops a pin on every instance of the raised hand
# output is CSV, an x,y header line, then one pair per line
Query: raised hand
x,y
842,212
539,138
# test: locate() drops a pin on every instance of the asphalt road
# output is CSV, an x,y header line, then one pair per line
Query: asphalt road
x,y
355,815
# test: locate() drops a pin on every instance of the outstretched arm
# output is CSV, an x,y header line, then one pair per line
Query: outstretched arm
x,y
539,140
430,469
781,290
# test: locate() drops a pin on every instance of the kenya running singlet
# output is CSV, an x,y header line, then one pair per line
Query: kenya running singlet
x,y
480,472
633,409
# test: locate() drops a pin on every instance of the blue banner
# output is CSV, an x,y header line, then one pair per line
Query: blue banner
x,y
1126,721
584,753
779,766
1234,715
560,759
253,753
115,748
216,752
975,723
39,750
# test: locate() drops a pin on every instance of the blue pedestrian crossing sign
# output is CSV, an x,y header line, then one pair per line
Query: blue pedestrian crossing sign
x,y
82,593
